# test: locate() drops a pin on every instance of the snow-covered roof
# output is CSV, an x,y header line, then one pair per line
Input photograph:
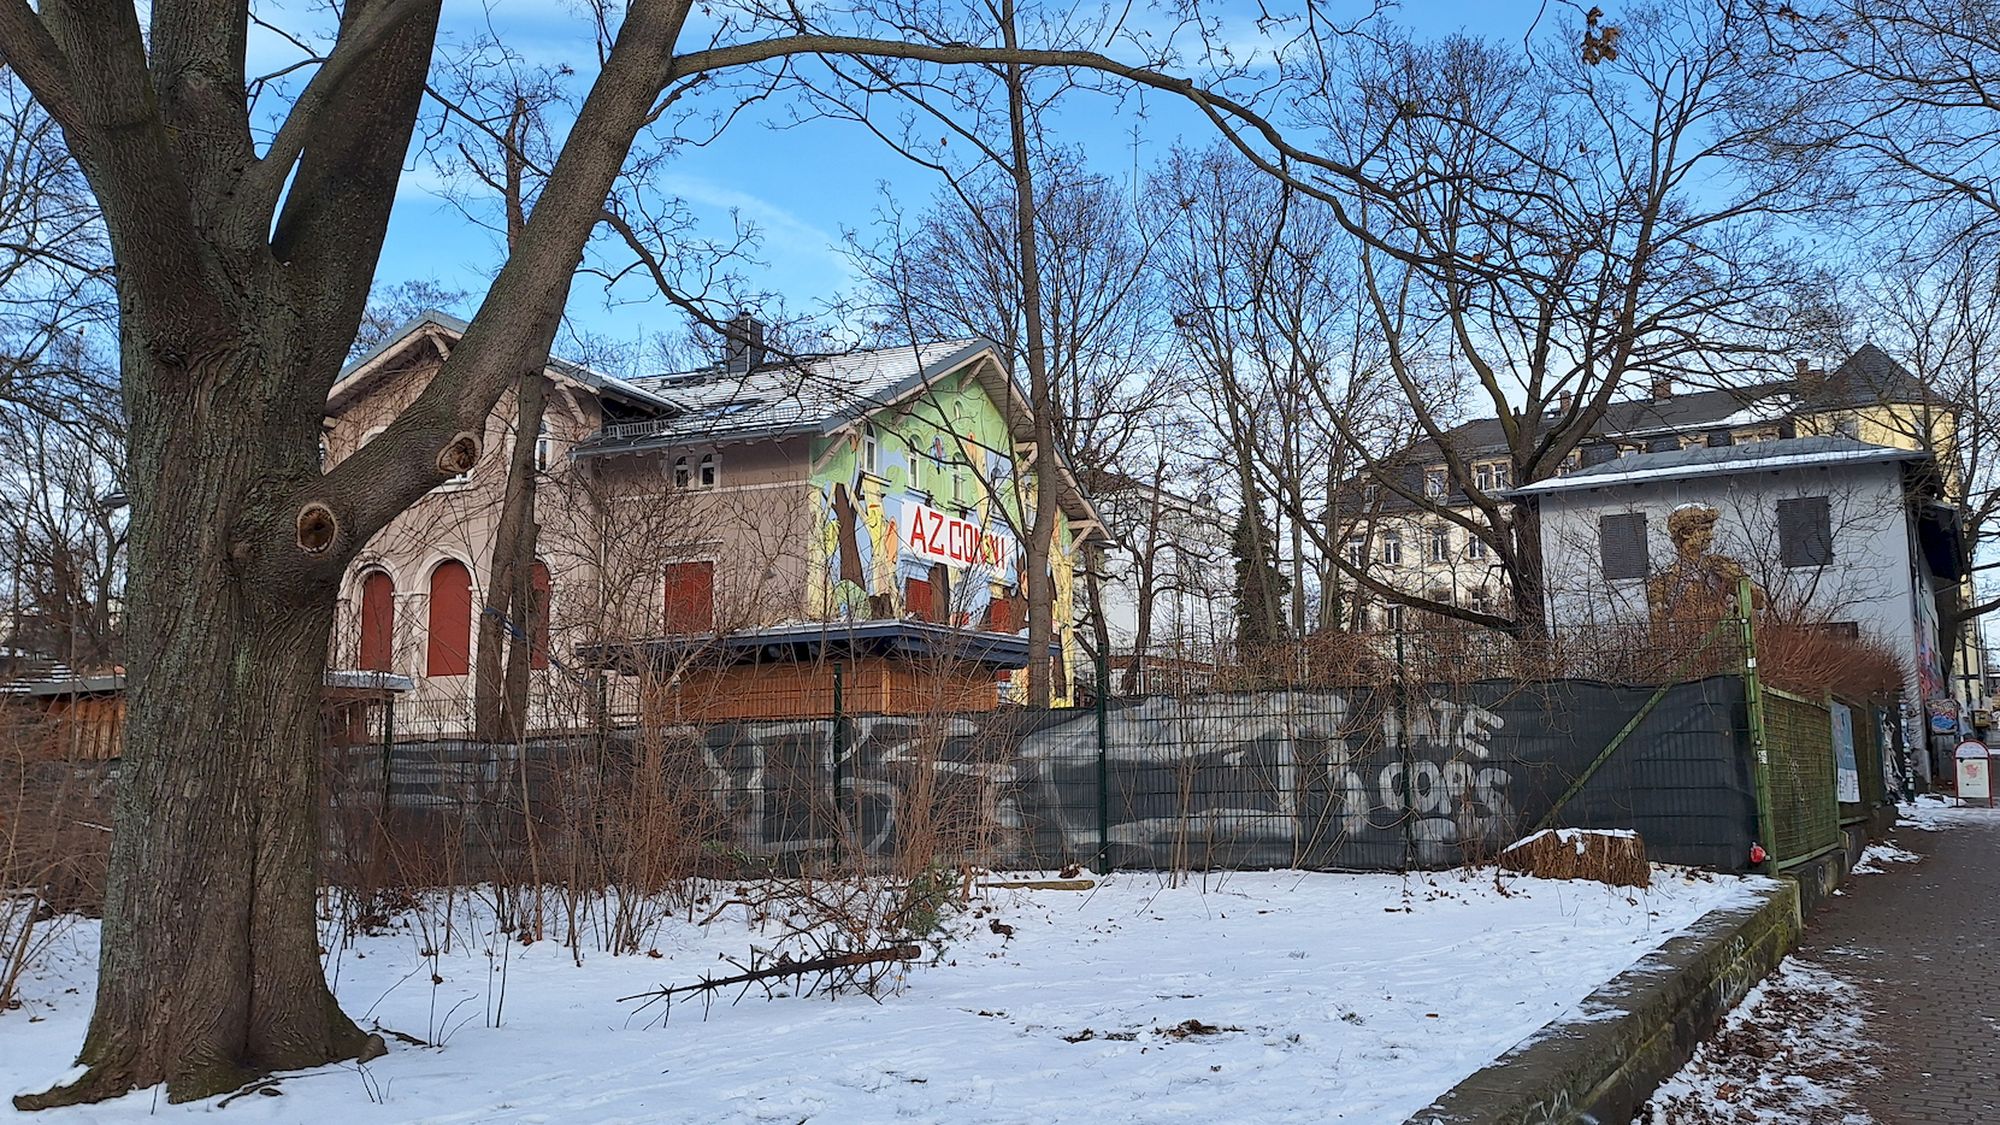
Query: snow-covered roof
x,y
808,394
1760,456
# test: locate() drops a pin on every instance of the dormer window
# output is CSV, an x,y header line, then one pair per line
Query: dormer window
x,y
1434,482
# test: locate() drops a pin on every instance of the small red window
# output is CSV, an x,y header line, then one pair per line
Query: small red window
x,y
378,622
919,600
1002,615
690,604
450,647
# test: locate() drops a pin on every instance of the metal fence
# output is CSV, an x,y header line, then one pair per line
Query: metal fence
x,y
1804,809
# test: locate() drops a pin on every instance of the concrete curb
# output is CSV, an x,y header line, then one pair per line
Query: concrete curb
x,y
1635,1031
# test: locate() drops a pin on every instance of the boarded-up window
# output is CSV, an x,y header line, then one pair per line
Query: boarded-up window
x,y
1000,614
378,622
1805,531
919,600
449,650
1621,544
690,597
538,615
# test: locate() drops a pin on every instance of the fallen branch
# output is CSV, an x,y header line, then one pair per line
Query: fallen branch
x,y
783,967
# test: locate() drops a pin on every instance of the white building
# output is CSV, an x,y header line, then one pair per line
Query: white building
x,y
1836,532
1173,553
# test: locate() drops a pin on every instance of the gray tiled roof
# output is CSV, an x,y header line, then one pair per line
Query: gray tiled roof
x,y
811,394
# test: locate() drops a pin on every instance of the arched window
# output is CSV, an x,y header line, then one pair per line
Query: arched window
x,y
538,615
680,472
449,650
707,477
378,622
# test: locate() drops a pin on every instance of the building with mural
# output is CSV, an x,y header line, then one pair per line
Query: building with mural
x,y
717,541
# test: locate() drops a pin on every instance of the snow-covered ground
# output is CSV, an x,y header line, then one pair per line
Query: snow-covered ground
x,y
1934,813
1314,996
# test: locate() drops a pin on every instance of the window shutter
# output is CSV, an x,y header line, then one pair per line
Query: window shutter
x,y
1805,531
378,622
1621,543
538,616
917,601
449,652
690,597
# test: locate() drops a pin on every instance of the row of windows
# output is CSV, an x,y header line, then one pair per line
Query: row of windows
x,y
923,465
448,627
1440,547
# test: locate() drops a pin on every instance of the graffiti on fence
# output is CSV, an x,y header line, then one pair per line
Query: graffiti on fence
x,y
1362,778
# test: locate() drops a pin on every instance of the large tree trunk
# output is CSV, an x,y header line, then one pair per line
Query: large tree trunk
x,y
210,967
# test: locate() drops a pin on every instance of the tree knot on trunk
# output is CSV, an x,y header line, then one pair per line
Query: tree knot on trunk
x,y
459,455
318,528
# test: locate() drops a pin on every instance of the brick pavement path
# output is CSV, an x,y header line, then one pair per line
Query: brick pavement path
x,y
1920,941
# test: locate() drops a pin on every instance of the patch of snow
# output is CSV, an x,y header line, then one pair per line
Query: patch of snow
x,y
1933,813
1875,855
1314,996
1792,1052
1574,836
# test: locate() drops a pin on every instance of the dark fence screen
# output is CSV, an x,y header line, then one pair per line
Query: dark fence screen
x,y
1370,778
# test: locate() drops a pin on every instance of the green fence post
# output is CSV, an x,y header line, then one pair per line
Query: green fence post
x,y
1103,864
1753,703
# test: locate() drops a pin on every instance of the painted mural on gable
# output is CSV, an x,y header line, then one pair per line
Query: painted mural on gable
x,y
921,514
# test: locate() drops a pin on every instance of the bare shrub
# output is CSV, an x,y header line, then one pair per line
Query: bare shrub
x,y
54,841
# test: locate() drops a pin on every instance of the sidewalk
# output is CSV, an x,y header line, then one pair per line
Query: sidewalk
x,y
1918,940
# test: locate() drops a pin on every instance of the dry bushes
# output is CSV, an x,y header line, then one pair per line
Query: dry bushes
x,y
1813,659
54,841
1614,857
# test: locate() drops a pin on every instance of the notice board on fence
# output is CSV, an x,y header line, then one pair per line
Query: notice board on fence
x,y
1847,771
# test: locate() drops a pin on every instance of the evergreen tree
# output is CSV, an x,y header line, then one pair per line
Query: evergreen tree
x,y
1260,586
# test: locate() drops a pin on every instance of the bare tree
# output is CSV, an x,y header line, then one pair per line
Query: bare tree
x,y
56,300
62,535
956,270
1568,227
1940,312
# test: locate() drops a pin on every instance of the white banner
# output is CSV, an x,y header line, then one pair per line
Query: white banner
x,y
930,534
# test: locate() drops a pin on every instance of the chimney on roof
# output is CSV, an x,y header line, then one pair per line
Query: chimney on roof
x,y
744,339
1808,376
1564,401
1663,387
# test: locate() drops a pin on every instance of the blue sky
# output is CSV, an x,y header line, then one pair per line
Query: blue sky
x,y
799,186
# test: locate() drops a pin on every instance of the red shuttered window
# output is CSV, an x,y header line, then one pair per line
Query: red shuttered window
x,y
538,616
450,645
690,604
378,622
